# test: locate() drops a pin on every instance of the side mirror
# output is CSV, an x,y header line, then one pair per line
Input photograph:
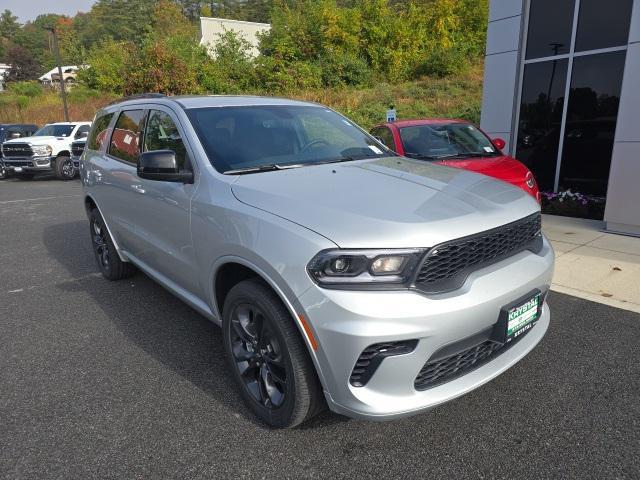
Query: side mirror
x,y
161,165
499,143
82,135
13,135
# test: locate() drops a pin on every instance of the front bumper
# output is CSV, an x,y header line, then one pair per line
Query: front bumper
x,y
347,322
30,164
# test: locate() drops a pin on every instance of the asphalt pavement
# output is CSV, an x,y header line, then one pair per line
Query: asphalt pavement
x,y
122,380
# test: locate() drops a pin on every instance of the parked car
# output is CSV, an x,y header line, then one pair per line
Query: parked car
x,y
47,150
458,144
77,148
341,273
10,131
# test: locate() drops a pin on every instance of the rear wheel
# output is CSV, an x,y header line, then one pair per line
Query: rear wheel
x,y
109,262
64,168
268,357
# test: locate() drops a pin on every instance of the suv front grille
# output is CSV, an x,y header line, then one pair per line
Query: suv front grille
x,y
17,150
77,148
19,163
447,266
442,370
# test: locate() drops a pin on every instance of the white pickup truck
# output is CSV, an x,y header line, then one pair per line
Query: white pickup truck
x,y
47,150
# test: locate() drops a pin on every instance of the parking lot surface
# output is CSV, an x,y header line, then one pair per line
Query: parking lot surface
x,y
122,380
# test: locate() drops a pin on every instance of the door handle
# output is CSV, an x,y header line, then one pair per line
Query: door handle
x,y
138,189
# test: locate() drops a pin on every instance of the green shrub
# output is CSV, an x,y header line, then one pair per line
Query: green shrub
x,y
29,89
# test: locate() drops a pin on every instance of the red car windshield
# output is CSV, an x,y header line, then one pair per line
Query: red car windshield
x,y
450,140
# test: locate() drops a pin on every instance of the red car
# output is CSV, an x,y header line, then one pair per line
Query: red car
x,y
456,143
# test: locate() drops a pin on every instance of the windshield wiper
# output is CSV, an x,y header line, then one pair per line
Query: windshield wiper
x,y
420,156
262,168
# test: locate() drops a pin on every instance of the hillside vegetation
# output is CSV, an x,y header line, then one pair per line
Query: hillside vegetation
x,y
456,96
358,56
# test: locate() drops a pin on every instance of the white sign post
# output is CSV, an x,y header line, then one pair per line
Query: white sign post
x,y
391,115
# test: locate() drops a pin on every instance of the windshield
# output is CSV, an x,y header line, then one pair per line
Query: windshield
x,y
447,140
55,131
253,137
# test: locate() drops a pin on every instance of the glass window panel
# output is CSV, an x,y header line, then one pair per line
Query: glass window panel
x,y
591,122
125,139
550,27
603,24
386,136
99,132
162,134
540,118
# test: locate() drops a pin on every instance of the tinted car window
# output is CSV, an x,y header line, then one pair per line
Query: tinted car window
x,y
125,139
443,140
249,137
15,132
386,136
55,131
99,132
84,129
162,134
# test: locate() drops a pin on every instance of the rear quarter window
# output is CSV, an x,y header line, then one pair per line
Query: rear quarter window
x,y
98,134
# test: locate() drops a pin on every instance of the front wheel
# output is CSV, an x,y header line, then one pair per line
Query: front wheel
x,y
268,357
64,168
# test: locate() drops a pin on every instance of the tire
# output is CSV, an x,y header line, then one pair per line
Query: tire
x,y
64,168
271,365
109,262
25,176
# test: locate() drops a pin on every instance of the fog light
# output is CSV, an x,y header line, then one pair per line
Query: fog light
x,y
387,265
43,163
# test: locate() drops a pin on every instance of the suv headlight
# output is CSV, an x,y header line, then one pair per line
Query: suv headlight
x,y
364,269
42,150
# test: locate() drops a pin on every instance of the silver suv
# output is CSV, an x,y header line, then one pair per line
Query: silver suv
x,y
341,274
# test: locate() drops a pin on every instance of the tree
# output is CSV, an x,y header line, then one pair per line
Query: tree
x,y
23,65
120,20
9,25
167,20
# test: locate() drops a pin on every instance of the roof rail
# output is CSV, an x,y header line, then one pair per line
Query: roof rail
x,y
138,96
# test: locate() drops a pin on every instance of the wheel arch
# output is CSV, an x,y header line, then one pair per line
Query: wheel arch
x,y
91,204
239,269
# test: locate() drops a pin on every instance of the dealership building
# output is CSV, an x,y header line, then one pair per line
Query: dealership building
x,y
562,88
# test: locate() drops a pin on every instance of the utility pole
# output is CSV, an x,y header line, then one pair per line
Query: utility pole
x,y
63,92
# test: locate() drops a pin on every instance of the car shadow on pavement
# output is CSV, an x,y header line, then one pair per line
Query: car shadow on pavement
x,y
154,320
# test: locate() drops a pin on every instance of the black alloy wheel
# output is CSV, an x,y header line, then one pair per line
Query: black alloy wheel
x,y
100,247
258,355
268,356
109,262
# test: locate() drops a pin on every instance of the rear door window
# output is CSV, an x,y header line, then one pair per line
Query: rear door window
x,y
125,139
99,132
163,134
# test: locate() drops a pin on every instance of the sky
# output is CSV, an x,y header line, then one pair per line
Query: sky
x,y
30,9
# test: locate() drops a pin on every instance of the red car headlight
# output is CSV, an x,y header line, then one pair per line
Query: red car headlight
x,y
530,180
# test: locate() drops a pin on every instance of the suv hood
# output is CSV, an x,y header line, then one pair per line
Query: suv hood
x,y
392,202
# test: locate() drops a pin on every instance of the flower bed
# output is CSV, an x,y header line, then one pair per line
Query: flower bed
x,y
573,204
